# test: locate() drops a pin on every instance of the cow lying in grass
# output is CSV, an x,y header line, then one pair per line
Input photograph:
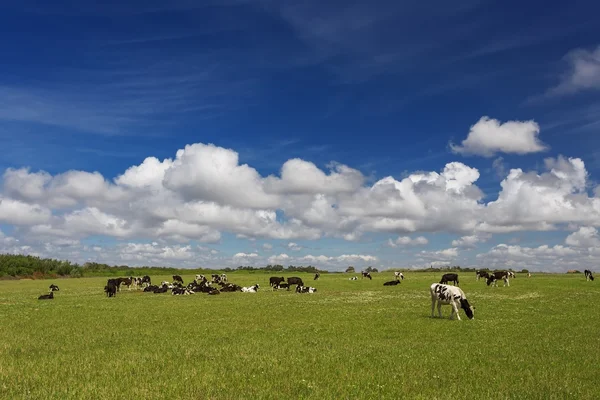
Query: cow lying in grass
x,y
392,283
281,285
354,278
305,289
251,289
452,295
49,296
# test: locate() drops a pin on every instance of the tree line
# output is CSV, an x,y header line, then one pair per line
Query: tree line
x,y
27,266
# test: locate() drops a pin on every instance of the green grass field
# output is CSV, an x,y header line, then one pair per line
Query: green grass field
x,y
537,339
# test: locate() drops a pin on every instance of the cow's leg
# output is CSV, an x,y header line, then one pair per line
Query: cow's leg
x,y
439,307
432,306
455,310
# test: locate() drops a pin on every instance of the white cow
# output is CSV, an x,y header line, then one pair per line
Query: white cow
x,y
251,289
452,295
399,275
354,278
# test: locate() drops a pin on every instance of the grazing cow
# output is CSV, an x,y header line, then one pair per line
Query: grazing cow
x,y
446,294
449,278
366,275
354,278
317,276
275,280
511,274
177,278
53,287
392,283
49,296
529,275
398,275
251,289
111,287
294,280
481,274
494,276
588,275
305,289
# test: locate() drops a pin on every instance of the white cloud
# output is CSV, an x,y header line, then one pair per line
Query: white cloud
x,y
439,255
469,242
583,72
294,246
488,137
586,236
408,241
204,194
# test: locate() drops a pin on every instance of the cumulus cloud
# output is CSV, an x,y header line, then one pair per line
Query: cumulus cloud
x,y
586,236
408,241
583,72
470,242
204,192
489,137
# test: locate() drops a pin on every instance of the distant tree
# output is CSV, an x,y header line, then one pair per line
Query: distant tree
x,y
371,269
524,271
350,270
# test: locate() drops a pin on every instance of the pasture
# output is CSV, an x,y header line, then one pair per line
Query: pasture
x,y
537,339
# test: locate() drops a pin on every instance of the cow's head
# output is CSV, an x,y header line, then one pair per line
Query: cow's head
x,y
490,279
469,310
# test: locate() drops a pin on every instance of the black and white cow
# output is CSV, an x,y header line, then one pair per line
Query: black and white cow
x,y
449,278
177,278
146,281
392,283
317,276
281,285
366,275
53,288
588,275
276,280
49,296
231,287
354,278
511,274
452,295
398,275
200,278
215,278
251,289
305,289
181,291
481,274
224,278
494,276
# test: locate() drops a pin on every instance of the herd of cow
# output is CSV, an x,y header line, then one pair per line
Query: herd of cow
x,y
441,293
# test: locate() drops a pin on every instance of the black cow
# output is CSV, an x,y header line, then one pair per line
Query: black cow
x,y
392,283
449,278
275,280
111,287
494,276
150,288
177,278
294,280
46,296
317,276
53,287
366,275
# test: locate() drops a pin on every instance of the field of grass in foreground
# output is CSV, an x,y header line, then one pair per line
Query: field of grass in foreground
x,y
537,339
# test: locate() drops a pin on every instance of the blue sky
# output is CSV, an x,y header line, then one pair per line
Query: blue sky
x,y
381,87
